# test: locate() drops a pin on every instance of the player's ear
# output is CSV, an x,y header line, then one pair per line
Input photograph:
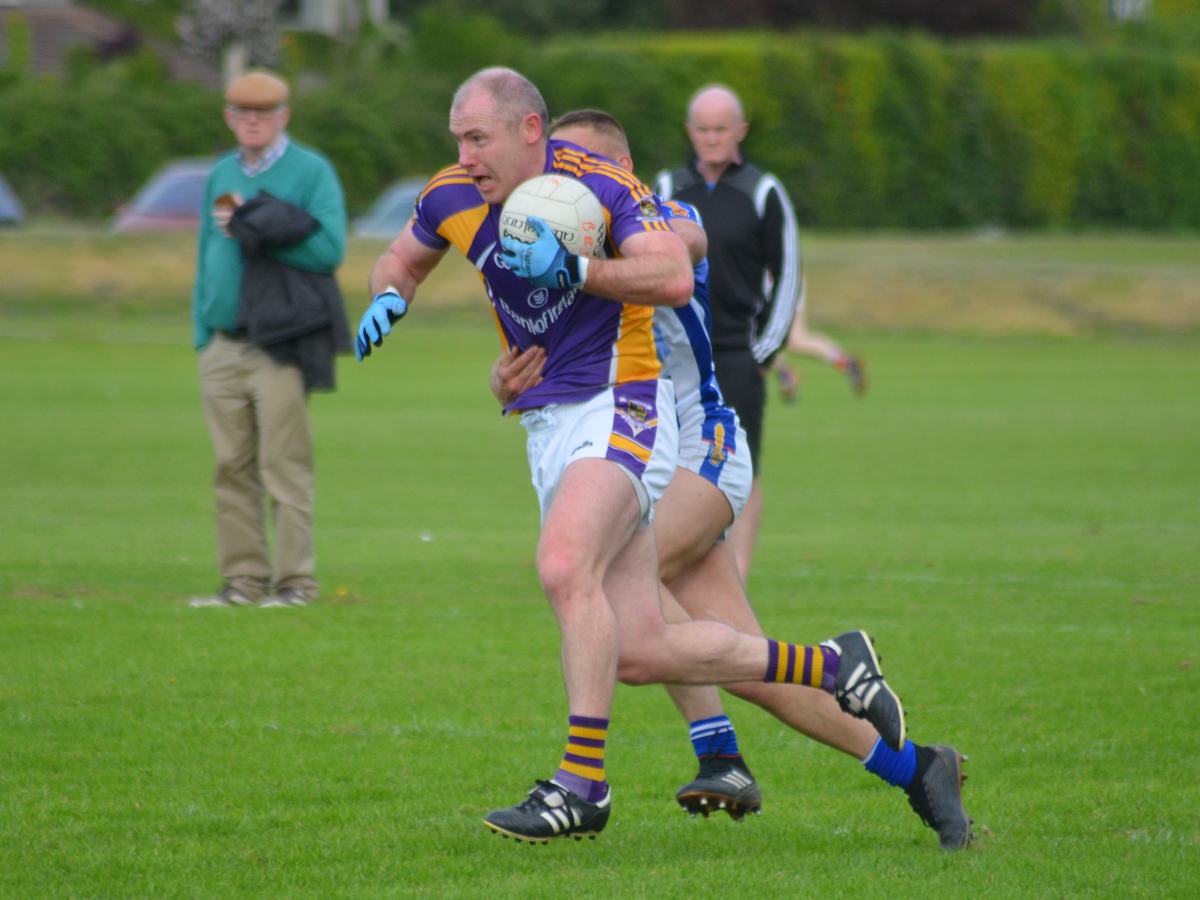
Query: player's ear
x,y
532,128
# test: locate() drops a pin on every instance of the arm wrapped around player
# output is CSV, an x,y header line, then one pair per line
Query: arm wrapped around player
x,y
545,261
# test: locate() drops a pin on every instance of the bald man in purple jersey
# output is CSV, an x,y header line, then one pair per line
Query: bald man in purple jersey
x,y
601,437
698,568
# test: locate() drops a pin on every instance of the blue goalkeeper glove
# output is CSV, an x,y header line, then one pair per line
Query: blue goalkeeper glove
x,y
546,261
386,309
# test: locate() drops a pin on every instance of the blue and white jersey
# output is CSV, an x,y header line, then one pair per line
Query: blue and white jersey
x,y
683,336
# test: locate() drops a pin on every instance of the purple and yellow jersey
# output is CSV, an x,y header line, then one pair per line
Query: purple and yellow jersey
x,y
591,343
684,339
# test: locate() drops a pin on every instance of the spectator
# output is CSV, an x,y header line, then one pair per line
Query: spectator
x,y
269,320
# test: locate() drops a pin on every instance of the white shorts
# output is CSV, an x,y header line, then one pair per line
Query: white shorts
x,y
707,448
625,424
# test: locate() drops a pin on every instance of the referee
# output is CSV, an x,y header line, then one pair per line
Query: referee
x,y
754,270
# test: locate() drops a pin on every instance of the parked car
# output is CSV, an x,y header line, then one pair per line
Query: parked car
x,y
11,212
390,213
169,201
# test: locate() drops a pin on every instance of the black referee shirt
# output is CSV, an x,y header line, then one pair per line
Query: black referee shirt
x,y
753,254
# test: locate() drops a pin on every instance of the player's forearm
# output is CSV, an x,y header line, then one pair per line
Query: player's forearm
x,y
653,279
693,237
403,266
389,271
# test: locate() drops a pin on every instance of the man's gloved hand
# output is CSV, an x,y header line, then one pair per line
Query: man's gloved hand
x,y
546,261
387,308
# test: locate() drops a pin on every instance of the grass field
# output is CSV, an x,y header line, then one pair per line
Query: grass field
x,y
1014,514
980,285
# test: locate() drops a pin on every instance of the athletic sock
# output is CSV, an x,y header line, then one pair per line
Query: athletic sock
x,y
840,362
714,735
582,769
896,767
798,664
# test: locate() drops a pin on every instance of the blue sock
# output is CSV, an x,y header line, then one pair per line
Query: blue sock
x,y
896,768
715,735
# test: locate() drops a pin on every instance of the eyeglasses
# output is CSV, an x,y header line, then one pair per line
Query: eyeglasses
x,y
253,112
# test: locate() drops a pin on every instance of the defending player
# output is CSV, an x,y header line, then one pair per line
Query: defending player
x,y
708,491
601,437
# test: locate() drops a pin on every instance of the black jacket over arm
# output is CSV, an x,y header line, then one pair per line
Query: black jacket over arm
x,y
297,317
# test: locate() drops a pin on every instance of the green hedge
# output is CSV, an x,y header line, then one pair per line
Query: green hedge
x,y
82,150
904,132
876,131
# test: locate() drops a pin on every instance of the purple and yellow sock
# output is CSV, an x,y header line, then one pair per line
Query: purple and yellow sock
x,y
582,769
798,664
896,767
714,735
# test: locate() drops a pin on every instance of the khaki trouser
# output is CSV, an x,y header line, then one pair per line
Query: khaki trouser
x,y
258,419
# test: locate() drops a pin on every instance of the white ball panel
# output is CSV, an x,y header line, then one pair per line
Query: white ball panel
x,y
566,204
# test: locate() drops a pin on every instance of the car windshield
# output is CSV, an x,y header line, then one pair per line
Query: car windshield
x,y
391,212
179,194
10,206
397,205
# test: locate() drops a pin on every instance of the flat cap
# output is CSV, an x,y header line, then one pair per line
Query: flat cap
x,y
257,90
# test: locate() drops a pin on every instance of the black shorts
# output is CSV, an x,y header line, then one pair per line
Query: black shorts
x,y
745,391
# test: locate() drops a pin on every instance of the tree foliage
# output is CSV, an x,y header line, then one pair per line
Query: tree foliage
x,y
209,26
936,16
884,130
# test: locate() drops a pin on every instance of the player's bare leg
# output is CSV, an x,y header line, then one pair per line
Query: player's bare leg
x,y
812,343
932,776
655,652
789,377
594,514
711,589
744,533
688,521
724,781
594,511
690,518
707,652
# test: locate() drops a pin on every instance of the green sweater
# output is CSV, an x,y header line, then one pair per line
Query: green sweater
x,y
301,176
